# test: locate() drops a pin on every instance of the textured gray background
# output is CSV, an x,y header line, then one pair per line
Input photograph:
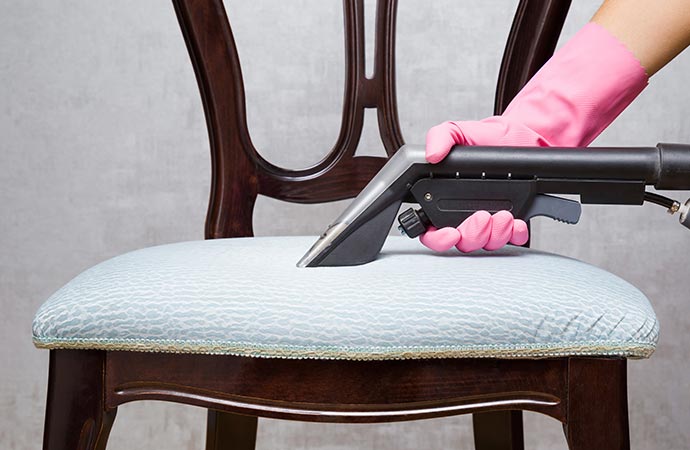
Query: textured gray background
x,y
103,149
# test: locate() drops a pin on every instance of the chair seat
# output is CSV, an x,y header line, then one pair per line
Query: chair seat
x,y
247,297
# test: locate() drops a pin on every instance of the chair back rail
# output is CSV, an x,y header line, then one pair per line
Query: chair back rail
x,y
240,173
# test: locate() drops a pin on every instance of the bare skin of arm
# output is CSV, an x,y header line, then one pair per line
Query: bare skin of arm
x,y
656,31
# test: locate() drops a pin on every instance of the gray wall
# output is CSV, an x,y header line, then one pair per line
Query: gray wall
x,y
104,150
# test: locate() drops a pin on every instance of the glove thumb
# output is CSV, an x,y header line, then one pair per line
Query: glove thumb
x,y
440,139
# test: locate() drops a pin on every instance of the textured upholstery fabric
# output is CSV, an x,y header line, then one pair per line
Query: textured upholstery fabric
x,y
247,297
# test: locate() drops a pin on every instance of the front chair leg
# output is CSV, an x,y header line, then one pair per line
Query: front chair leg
x,y
498,430
226,431
76,416
597,411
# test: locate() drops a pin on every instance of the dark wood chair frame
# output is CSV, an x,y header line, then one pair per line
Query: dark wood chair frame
x,y
588,395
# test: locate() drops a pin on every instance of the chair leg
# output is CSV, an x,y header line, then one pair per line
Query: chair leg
x,y
226,431
597,410
498,430
76,416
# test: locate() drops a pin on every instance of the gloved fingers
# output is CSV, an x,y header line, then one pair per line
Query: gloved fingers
x,y
440,139
520,233
440,240
475,232
480,230
501,230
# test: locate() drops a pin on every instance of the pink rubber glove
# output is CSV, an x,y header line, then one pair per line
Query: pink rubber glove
x,y
568,103
480,230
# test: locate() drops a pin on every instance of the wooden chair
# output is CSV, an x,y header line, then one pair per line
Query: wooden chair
x,y
587,394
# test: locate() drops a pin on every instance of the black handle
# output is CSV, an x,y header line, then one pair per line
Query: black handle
x,y
666,166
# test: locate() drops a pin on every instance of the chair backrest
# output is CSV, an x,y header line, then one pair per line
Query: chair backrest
x,y
239,173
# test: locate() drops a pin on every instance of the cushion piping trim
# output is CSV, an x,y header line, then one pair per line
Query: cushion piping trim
x,y
633,349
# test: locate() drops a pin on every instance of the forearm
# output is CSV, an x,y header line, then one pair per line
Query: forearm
x,y
654,30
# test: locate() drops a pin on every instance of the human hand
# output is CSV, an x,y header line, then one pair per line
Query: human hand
x,y
568,103
481,229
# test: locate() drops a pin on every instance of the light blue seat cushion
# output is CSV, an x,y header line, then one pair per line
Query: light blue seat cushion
x,y
246,297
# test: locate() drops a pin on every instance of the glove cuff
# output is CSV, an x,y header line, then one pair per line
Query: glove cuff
x,y
580,90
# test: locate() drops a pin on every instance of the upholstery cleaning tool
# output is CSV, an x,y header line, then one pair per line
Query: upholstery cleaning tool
x,y
521,180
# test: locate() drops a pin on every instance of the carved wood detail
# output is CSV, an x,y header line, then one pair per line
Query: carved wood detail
x,y
339,391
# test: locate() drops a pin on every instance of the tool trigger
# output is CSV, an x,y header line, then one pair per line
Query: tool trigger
x,y
557,208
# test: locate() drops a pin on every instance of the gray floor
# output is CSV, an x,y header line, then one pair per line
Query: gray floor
x,y
104,150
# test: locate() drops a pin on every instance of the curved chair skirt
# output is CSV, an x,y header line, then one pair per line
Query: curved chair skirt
x,y
588,395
